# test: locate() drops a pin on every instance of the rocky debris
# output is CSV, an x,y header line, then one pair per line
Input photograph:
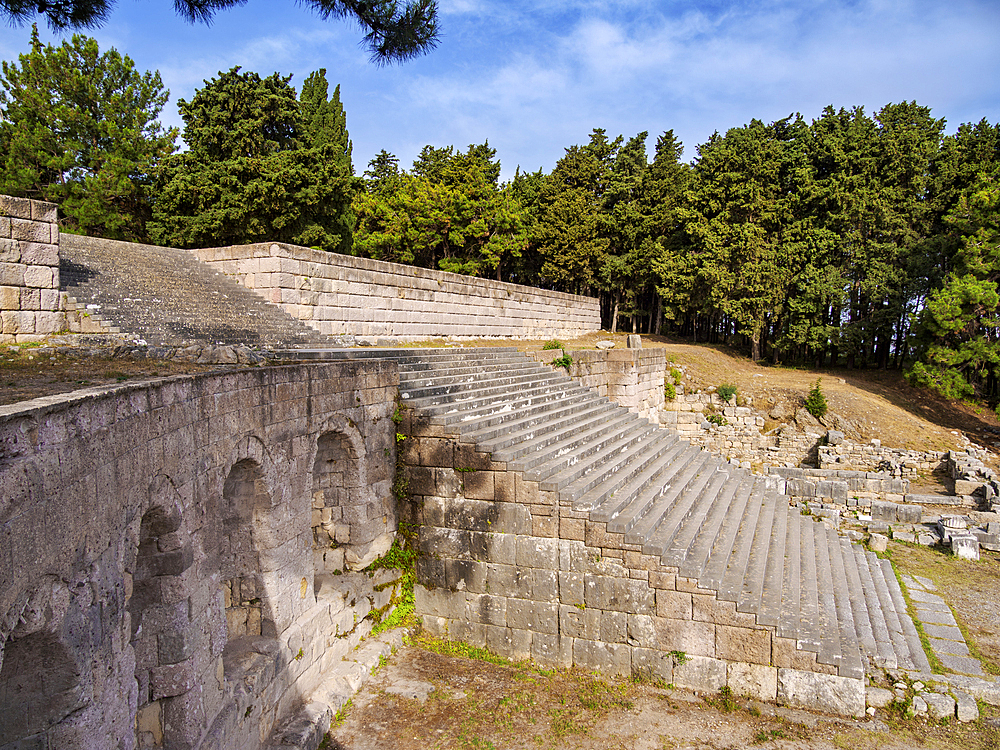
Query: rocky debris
x,y
115,348
605,344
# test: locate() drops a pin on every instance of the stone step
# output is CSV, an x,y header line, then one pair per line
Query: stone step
x,y
764,597
734,555
510,434
609,452
168,297
475,385
607,485
830,650
861,617
490,408
747,591
884,654
850,663
664,504
807,628
690,550
780,601
685,515
514,438
713,522
411,380
606,502
575,443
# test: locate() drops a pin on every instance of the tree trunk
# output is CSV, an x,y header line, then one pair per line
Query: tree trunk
x,y
755,346
659,314
614,315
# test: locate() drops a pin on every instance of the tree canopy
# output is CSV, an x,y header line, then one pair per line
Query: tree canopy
x,y
259,167
393,32
79,128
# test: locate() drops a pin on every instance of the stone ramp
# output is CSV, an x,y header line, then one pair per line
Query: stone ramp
x,y
168,297
713,523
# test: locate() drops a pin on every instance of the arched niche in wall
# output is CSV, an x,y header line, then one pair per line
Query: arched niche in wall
x,y
41,680
163,556
245,499
350,529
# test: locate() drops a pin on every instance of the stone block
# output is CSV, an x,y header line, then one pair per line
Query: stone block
x,y
473,633
966,487
571,588
965,547
966,707
690,636
675,605
10,297
878,542
909,513
172,680
477,485
883,511
651,664
537,552
939,706
823,692
552,650
879,697
700,673
742,644
614,627
36,254
578,622
538,617
437,452
609,658
753,680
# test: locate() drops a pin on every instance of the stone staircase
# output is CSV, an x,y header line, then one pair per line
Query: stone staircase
x,y
168,297
711,521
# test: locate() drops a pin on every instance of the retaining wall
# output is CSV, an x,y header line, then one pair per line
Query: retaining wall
x,y
30,304
506,566
344,295
176,556
632,378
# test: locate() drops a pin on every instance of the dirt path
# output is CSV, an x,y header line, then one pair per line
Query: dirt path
x,y
422,699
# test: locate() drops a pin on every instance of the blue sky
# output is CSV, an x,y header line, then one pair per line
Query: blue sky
x,y
536,77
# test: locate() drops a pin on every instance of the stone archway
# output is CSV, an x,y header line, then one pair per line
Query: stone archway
x,y
245,496
350,529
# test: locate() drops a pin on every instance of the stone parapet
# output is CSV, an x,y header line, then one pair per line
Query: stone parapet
x,y
632,378
344,295
31,307
166,545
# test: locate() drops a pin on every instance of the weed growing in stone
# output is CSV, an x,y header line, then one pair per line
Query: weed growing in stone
x,y
726,391
564,361
553,344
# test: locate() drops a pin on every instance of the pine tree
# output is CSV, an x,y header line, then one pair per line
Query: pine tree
x,y
250,174
79,128
392,33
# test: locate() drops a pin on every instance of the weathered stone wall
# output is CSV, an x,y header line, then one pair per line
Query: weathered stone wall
x,y
898,462
506,566
167,571
30,304
841,487
344,295
632,378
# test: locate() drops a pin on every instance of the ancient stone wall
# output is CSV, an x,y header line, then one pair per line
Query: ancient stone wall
x,y
344,295
506,566
30,304
177,558
868,457
632,378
